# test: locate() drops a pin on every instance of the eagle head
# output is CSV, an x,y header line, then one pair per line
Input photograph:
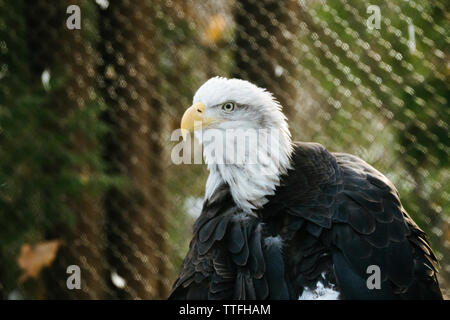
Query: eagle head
x,y
245,138
223,104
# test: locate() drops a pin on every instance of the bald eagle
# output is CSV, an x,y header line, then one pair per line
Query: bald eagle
x,y
300,222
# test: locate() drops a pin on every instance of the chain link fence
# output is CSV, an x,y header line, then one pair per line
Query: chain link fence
x,y
87,112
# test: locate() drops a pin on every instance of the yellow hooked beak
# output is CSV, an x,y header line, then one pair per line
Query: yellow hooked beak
x,y
194,118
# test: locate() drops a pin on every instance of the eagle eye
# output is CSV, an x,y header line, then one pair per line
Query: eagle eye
x,y
228,106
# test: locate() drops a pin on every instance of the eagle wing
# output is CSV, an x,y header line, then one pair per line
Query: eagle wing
x,y
370,227
341,216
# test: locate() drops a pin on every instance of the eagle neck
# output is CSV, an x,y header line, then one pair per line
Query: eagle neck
x,y
250,184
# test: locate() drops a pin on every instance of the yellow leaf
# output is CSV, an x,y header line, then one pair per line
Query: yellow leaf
x,y
32,259
215,30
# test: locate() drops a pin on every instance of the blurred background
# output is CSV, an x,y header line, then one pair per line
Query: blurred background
x,y
86,117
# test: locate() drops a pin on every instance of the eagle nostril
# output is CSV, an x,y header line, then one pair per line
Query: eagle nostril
x,y
199,111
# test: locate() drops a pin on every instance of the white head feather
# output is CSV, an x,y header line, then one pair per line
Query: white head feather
x,y
257,111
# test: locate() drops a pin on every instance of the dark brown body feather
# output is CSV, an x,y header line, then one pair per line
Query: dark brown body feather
x,y
332,216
